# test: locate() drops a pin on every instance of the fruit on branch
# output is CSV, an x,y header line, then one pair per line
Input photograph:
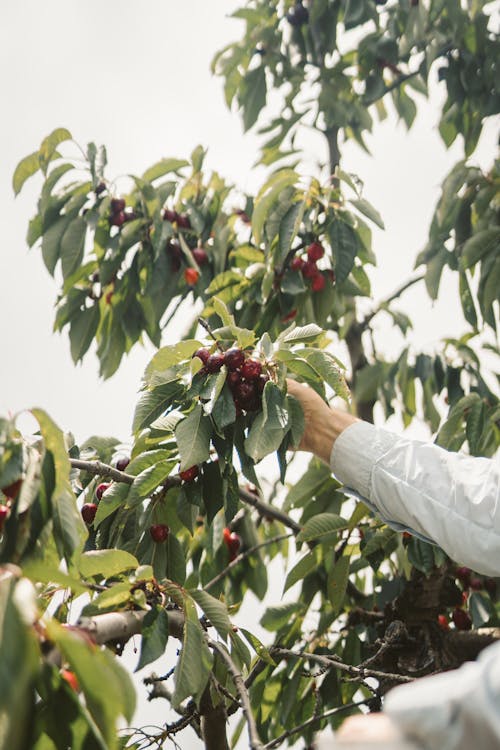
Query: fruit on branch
x,y
234,358
476,584
71,679
214,362
233,378
169,215
183,222
260,383
461,619
4,514
100,188
11,490
309,269
298,15
318,282
122,463
251,369
116,220
200,256
289,316
315,251
191,276
244,393
117,205
189,475
491,586
101,489
297,263
174,251
463,574
443,622
232,542
88,513
159,532
202,354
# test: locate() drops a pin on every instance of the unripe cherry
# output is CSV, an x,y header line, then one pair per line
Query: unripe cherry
x,y
191,276
70,677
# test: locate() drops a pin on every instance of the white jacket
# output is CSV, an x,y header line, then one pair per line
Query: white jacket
x,y
452,500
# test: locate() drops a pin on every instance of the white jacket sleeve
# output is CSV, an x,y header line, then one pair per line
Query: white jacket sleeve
x,y
448,498
456,710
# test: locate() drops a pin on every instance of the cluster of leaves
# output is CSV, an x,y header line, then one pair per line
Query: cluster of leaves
x,y
391,49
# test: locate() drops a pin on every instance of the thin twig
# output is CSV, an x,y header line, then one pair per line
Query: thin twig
x,y
381,306
253,735
242,556
331,663
207,328
277,742
268,510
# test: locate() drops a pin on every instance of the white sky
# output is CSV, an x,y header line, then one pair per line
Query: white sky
x,y
135,76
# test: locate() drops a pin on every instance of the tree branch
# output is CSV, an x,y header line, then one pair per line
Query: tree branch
x,y
330,663
253,735
268,510
306,724
247,553
121,626
399,291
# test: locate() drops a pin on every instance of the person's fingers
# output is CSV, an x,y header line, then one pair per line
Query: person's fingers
x,y
370,728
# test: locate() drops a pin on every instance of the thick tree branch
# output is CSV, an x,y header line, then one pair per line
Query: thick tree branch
x,y
253,735
121,626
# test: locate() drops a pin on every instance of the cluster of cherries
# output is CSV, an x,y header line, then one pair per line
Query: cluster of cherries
x,y
119,214
245,378
173,249
459,616
308,266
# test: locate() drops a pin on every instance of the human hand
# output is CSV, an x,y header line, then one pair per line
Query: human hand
x,y
376,728
323,424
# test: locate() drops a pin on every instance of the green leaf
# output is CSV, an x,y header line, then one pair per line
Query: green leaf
x,y
269,194
420,555
163,167
321,525
25,169
224,410
480,609
168,356
299,571
338,578
193,438
258,647
275,618
300,334
82,331
154,636
72,245
269,426
69,529
51,243
308,485
252,97
148,480
152,404
479,245
195,659
325,365
49,144
344,242
215,610
289,227
106,563
368,210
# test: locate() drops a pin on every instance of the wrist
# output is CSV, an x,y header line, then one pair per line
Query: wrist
x,y
328,430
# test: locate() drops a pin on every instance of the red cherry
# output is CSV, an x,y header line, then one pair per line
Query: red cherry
x,y
309,269
202,354
191,276
214,362
200,256
251,369
122,463
101,187
244,393
118,219
463,575
70,678
491,586
289,316
315,251
476,584
461,619
318,283
88,513
297,263
234,358
260,383
4,513
226,533
130,214
12,489
169,215
117,205
443,622
183,222
101,489
232,542
233,378
189,475
159,532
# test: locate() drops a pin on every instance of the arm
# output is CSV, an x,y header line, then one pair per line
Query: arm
x,y
449,498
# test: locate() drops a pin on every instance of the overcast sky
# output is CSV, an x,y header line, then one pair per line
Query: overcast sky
x,y
136,77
